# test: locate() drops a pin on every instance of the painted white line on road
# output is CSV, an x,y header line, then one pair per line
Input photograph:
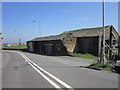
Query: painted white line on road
x,y
55,78
49,80
49,74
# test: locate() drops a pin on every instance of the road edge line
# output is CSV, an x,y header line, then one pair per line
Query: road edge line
x,y
49,80
52,76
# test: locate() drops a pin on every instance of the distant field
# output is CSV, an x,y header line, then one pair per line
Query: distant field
x,y
15,47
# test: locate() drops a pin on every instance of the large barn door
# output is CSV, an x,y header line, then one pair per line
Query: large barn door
x,y
88,45
48,49
35,46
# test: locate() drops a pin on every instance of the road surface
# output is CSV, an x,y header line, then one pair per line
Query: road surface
x,y
27,70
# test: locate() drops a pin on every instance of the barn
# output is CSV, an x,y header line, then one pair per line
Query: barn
x,y
51,45
87,40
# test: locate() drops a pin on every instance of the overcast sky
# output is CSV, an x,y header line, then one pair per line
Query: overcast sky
x,y
54,18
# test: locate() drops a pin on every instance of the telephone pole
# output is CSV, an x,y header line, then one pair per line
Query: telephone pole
x,y
39,28
102,57
19,44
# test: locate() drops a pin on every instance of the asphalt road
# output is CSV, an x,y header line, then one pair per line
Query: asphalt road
x,y
27,70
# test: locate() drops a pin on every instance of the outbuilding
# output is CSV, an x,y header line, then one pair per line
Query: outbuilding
x,y
83,41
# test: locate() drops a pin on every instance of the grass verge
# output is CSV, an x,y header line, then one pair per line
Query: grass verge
x,y
15,47
85,56
101,66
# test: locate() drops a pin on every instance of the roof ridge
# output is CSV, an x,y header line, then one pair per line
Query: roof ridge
x,y
86,29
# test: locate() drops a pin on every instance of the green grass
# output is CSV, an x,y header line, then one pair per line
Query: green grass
x,y
15,47
85,56
101,66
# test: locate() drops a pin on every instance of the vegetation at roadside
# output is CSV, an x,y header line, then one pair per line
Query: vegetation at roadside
x,y
85,56
101,66
15,47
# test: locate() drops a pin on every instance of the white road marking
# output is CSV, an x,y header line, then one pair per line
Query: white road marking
x,y
49,80
55,78
49,74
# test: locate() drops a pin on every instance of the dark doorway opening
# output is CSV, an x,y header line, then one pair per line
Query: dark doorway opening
x,y
88,45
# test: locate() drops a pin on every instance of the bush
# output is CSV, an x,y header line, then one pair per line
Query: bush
x,y
101,66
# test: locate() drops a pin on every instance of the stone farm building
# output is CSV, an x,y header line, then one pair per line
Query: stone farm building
x,y
80,41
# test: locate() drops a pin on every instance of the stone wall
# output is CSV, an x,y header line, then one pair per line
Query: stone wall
x,y
70,42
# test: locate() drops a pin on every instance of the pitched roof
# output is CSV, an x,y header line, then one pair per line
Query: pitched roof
x,y
86,32
52,37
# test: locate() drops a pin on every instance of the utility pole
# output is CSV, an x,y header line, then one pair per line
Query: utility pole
x,y
119,46
102,57
19,43
119,28
39,28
